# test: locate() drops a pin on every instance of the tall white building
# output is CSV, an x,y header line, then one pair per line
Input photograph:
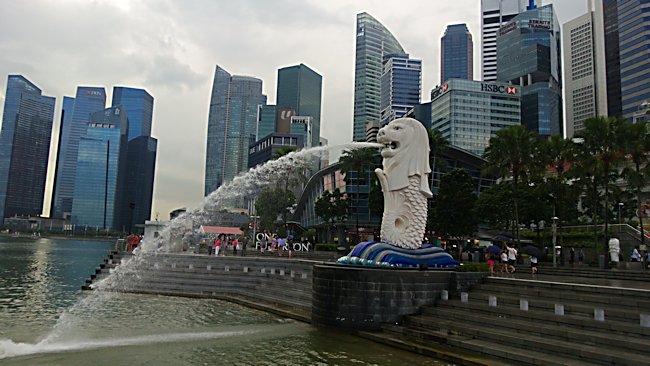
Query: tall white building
x,y
584,68
494,14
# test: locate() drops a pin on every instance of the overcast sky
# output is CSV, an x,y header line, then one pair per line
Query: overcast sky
x,y
171,47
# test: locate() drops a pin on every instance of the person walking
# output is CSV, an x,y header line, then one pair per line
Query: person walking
x,y
235,244
281,244
504,261
636,256
533,264
217,247
581,256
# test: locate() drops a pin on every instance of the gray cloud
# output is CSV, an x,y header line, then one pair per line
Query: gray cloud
x,y
170,48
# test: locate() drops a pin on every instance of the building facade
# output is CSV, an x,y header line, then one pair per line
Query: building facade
x,y
468,113
584,68
232,126
401,82
24,148
138,104
528,55
265,121
494,14
634,45
141,153
262,150
101,171
87,101
456,53
373,42
612,58
300,89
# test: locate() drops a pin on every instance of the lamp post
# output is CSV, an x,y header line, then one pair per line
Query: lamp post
x,y
554,229
254,229
620,227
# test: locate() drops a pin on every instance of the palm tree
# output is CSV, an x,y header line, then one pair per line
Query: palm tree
x,y
358,161
555,154
636,144
511,155
599,154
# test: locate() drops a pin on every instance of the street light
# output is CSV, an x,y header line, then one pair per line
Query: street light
x,y
254,228
554,229
620,205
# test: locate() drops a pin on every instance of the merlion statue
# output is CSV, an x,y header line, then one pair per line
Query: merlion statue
x,y
405,185
404,182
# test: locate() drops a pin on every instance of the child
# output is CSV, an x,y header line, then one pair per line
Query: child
x,y
490,262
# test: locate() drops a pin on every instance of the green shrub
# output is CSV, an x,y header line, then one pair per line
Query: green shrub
x,y
325,247
473,267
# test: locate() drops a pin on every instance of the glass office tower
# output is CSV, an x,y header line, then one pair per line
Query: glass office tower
x,y
456,53
528,55
232,124
373,42
300,89
401,83
138,104
100,173
141,162
87,101
24,148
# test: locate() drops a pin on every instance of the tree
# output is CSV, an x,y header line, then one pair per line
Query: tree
x,y
495,206
356,163
598,155
332,207
284,150
271,203
636,145
511,155
456,208
437,146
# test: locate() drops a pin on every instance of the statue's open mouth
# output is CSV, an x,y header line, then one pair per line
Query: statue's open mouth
x,y
391,145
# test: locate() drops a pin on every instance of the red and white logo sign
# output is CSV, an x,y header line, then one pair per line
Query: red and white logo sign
x,y
444,88
511,90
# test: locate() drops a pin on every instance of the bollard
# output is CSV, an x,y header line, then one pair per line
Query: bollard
x,y
303,275
293,274
444,295
644,320
245,269
209,268
156,266
272,271
464,297
191,266
492,301
282,272
523,304
559,309
110,261
599,315
262,270
173,265
226,269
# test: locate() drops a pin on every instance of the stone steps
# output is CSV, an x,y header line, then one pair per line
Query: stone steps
x,y
578,271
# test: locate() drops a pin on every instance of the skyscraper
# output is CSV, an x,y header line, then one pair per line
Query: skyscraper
x,y
456,53
139,106
88,100
373,42
100,173
494,14
232,122
584,68
24,148
401,82
300,89
612,58
633,42
141,162
528,50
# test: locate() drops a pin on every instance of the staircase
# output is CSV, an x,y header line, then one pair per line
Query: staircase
x,y
538,335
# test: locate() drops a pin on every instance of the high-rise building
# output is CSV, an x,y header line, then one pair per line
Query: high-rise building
x,y
138,104
584,68
528,55
141,162
494,14
373,42
87,101
612,58
468,113
634,42
265,121
401,82
140,172
456,53
24,148
232,124
300,89
100,173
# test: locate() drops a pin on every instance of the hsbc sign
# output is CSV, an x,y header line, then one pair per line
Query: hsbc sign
x,y
501,89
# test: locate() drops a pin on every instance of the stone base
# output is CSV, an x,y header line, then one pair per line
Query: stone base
x,y
362,298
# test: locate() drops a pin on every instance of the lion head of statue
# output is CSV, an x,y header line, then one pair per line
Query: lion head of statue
x,y
405,153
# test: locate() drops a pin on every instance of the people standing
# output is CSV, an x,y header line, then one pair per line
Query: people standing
x,y
490,262
636,256
581,256
235,243
217,247
504,261
281,244
512,259
572,256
